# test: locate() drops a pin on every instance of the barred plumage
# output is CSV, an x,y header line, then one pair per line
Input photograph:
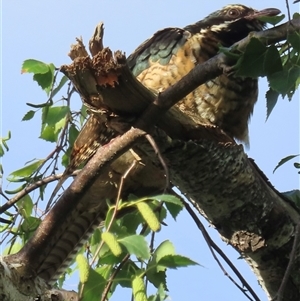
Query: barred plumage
x,y
171,53
94,134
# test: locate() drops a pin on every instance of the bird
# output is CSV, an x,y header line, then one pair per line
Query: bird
x,y
162,60
166,57
93,135
158,63
226,101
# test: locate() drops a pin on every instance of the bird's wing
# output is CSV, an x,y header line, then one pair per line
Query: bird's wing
x,y
158,49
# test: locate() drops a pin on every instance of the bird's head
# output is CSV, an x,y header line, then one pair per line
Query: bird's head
x,y
233,22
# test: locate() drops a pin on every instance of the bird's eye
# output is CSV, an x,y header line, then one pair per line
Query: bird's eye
x,y
233,13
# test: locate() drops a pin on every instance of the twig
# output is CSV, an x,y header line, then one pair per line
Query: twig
x,y
114,274
288,9
124,260
112,277
161,160
60,145
279,296
212,245
30,188
115,209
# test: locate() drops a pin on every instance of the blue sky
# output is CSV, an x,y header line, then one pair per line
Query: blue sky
x,y
44,30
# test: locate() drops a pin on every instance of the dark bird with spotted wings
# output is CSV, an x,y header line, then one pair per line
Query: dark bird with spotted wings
x,y
161,61
166,57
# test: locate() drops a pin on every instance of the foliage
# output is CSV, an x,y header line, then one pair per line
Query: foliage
x,y
121,238
294,196
279,63
3,144
286,159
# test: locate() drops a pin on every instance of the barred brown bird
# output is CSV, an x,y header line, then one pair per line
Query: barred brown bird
x,y
171,53
158,63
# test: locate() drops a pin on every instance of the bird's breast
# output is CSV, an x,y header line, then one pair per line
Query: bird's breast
x,y
158,77
225,101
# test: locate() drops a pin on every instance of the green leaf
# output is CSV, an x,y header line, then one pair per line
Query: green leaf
x,y
294,40
53,120
73,134
62,82
173,203
94,287
284,160
60,124
1,151
131,221
25,172
160,295
62,278
17,189
52,115
48,103
252,61
294,196
107,257
174,209
230,52
25,206
29,225
16,247
167,198
136,245
157,278
83,115
43,73
272,97
4,227
48,134
175,261
164,249
272,20
45,80
272,62
129,269
42,192
34,66
284,81
296,15
29,115
3,144
95,238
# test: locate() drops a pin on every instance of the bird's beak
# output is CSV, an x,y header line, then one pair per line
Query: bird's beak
x,y
268,12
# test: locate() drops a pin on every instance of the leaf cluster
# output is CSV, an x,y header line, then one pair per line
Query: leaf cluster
x,y
126,258
279,63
